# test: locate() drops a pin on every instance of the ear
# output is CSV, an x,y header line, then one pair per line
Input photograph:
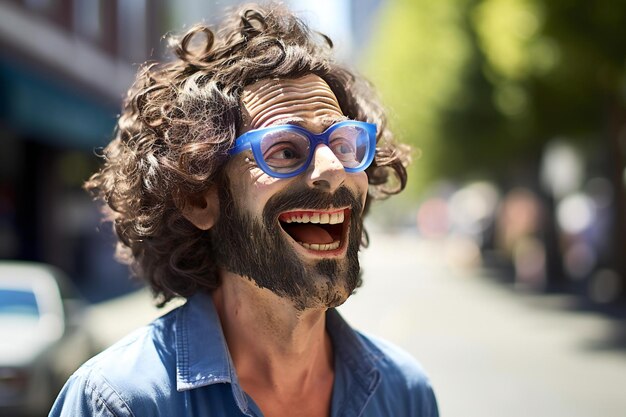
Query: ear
x,y
203,210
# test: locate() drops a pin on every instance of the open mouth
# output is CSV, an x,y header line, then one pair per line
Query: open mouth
x,y
317,230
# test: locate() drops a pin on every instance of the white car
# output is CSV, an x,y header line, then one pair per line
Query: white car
x,y
43,336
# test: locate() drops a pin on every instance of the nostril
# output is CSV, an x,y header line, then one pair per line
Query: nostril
x,y
323,185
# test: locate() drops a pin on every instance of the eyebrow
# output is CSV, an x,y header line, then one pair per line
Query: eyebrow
x,y
329,121
299,121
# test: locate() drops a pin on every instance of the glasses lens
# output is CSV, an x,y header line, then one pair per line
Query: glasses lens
x,y
350,145
285,151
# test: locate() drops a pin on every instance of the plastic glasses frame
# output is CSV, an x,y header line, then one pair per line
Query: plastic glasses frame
x,y
252,140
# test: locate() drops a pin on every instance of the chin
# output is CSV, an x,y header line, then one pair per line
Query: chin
x,y
327,293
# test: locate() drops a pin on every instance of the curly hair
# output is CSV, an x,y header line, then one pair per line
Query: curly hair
x,y
179,120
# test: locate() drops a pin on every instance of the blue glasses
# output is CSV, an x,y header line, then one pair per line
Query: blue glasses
x,y
286,151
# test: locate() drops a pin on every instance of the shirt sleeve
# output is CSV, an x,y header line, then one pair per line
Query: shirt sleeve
x,y
87,395
405,389
427,400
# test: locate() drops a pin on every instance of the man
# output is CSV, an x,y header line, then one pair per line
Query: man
x,y
238,179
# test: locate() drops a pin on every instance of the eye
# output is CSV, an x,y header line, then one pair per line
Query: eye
x,y
349,144
282,151
344,149
285,156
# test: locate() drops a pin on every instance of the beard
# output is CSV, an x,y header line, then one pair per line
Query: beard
x,y
259,250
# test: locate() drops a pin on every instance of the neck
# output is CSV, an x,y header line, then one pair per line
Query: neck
x,y
274,346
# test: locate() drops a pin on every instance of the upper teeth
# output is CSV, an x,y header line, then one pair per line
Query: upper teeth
x,y
321,246
322,218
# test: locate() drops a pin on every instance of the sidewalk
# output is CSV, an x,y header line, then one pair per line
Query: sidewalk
x,y
490,351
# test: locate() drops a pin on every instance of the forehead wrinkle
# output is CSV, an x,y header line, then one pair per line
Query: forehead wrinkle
x,y
302,109
261,86
253,99
290,103
298,111
325,95
256,103
305,86
271,87
276,87
306,101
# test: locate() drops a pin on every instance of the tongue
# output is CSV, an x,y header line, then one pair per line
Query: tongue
x,y
308,233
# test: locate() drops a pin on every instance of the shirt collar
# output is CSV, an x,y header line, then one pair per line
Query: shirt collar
x,y
350,351
202,356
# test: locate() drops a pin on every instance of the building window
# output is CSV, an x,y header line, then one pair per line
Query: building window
x,y
39,5
132,29
88,19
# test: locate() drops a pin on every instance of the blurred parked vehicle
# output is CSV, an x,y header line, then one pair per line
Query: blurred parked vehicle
x,y
43,336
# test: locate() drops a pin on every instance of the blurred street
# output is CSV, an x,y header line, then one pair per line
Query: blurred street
x,y
490,351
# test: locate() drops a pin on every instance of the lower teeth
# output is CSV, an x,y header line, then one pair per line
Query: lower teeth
x,y
321,246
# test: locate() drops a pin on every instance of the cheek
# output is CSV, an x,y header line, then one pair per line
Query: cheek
x,y
258,188
361,184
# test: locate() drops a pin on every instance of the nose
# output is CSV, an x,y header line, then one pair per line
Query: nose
x,y
325,172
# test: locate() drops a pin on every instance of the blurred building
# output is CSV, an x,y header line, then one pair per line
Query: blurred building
x,y
64,66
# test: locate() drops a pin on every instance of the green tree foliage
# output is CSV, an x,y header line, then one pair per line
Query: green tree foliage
x,y
418,54
480,86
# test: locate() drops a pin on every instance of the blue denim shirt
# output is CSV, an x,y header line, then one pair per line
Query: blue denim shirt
x,y
179,366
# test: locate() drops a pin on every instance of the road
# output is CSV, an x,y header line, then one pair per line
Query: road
x,y
490,351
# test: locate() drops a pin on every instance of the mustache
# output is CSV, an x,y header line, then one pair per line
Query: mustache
x,y
297,197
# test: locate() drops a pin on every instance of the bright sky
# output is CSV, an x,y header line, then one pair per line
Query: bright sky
x,y
331,17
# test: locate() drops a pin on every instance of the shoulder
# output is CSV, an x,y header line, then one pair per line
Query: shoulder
x,y
148,352
404,385
131,374
395,362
